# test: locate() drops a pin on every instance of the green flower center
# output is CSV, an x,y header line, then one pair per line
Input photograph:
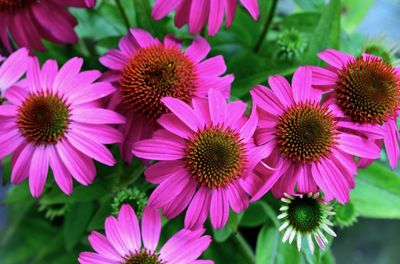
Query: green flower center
x,y
143,257
14,5
368,90
306,132
305,214
216,157
153,73
43,118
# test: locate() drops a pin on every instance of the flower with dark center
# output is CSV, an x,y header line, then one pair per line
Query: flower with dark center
x,y
143,257
27,22
206,157
368,90
145,70
53,121
306,215
363,92
155,72
43,118
310,147
123,241
216,157
306,132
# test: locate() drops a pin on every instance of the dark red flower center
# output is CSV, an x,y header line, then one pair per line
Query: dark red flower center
x,y
14,5
216,157
143,257
368,90
43,118
153,73
306,132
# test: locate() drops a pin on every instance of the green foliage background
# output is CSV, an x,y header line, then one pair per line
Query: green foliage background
x,y
32,237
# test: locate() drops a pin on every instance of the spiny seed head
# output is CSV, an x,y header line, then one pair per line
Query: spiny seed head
x,y
153,73
368,90
305,214
306,132
14,5
43,118
143,257
216,157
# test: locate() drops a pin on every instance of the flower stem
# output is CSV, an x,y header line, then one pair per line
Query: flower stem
x,y
266,27
244,246
124,16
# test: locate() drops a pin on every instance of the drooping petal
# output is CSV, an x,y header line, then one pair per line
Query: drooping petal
x,y
219,208
151,228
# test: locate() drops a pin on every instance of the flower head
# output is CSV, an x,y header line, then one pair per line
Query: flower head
x,y
198,13
124,237
145,70
29,21
306,216
307,144
366,93
53,120
205,153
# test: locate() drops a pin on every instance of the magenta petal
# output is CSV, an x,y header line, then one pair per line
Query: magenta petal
x,y
163,7
281,88
301,86
20,168
217,9
199,11
114,60
237,197
322,76
175,207
33,76
391,140
143,38
351,144
16,95
198,50
13,68
198,209
252,7
219,208
266,100
94,258
129,228
61,173
335,58
183,111
9,142
169,189
160,171
151,228
116,236
38,170
159,149
174,125
102,246
96,116
248,129
214,66
217,104
305,181
67,74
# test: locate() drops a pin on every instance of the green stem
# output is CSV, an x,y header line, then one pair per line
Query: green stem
x,y
246,249
124,16
267,25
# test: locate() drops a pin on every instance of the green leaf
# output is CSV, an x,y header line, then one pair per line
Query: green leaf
x,y
327,33
270,248
304,22
76,220
377,192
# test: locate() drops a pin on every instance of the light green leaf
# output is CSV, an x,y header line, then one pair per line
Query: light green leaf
x,y
327,33
271,250
377,192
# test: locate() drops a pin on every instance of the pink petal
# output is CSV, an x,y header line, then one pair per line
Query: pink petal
x,y
61,173
252,7
335,58
183,111
129,228
217,104
16,95
214,66
198,209
67,74
282,90
96,116
13,68
20,169
301,84
174,125
175,207
163,7
219,208
322,76
102,246
237,197
48,74
351,144
248,129
161,170
114,60
266,100
94,258
116,236
199,11
216,16
391,140
159,149
305,181
198,50
143,38
38,170
151,228
9,142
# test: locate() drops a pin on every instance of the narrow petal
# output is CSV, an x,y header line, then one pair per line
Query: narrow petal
x,y
391,140
219,208
281,88
161,170
217,106
183,111
198,50
301,86
252,7
335,58
237,197
159,149
217,8
96,116
39,168
61,174
198,209
129,228
163,7
351,144
175,207
151,228
101,245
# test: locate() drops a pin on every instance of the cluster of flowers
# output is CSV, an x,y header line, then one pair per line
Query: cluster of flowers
x,y
162,102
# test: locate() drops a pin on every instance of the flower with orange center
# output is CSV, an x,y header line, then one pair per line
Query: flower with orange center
x,y
53,121
145,70
310,147
205,158
364,91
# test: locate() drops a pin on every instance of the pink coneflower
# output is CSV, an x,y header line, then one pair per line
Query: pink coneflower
x,y
145,70
198,13
205,154
29,21
310,145
366,91
123,242
12,69
55,122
